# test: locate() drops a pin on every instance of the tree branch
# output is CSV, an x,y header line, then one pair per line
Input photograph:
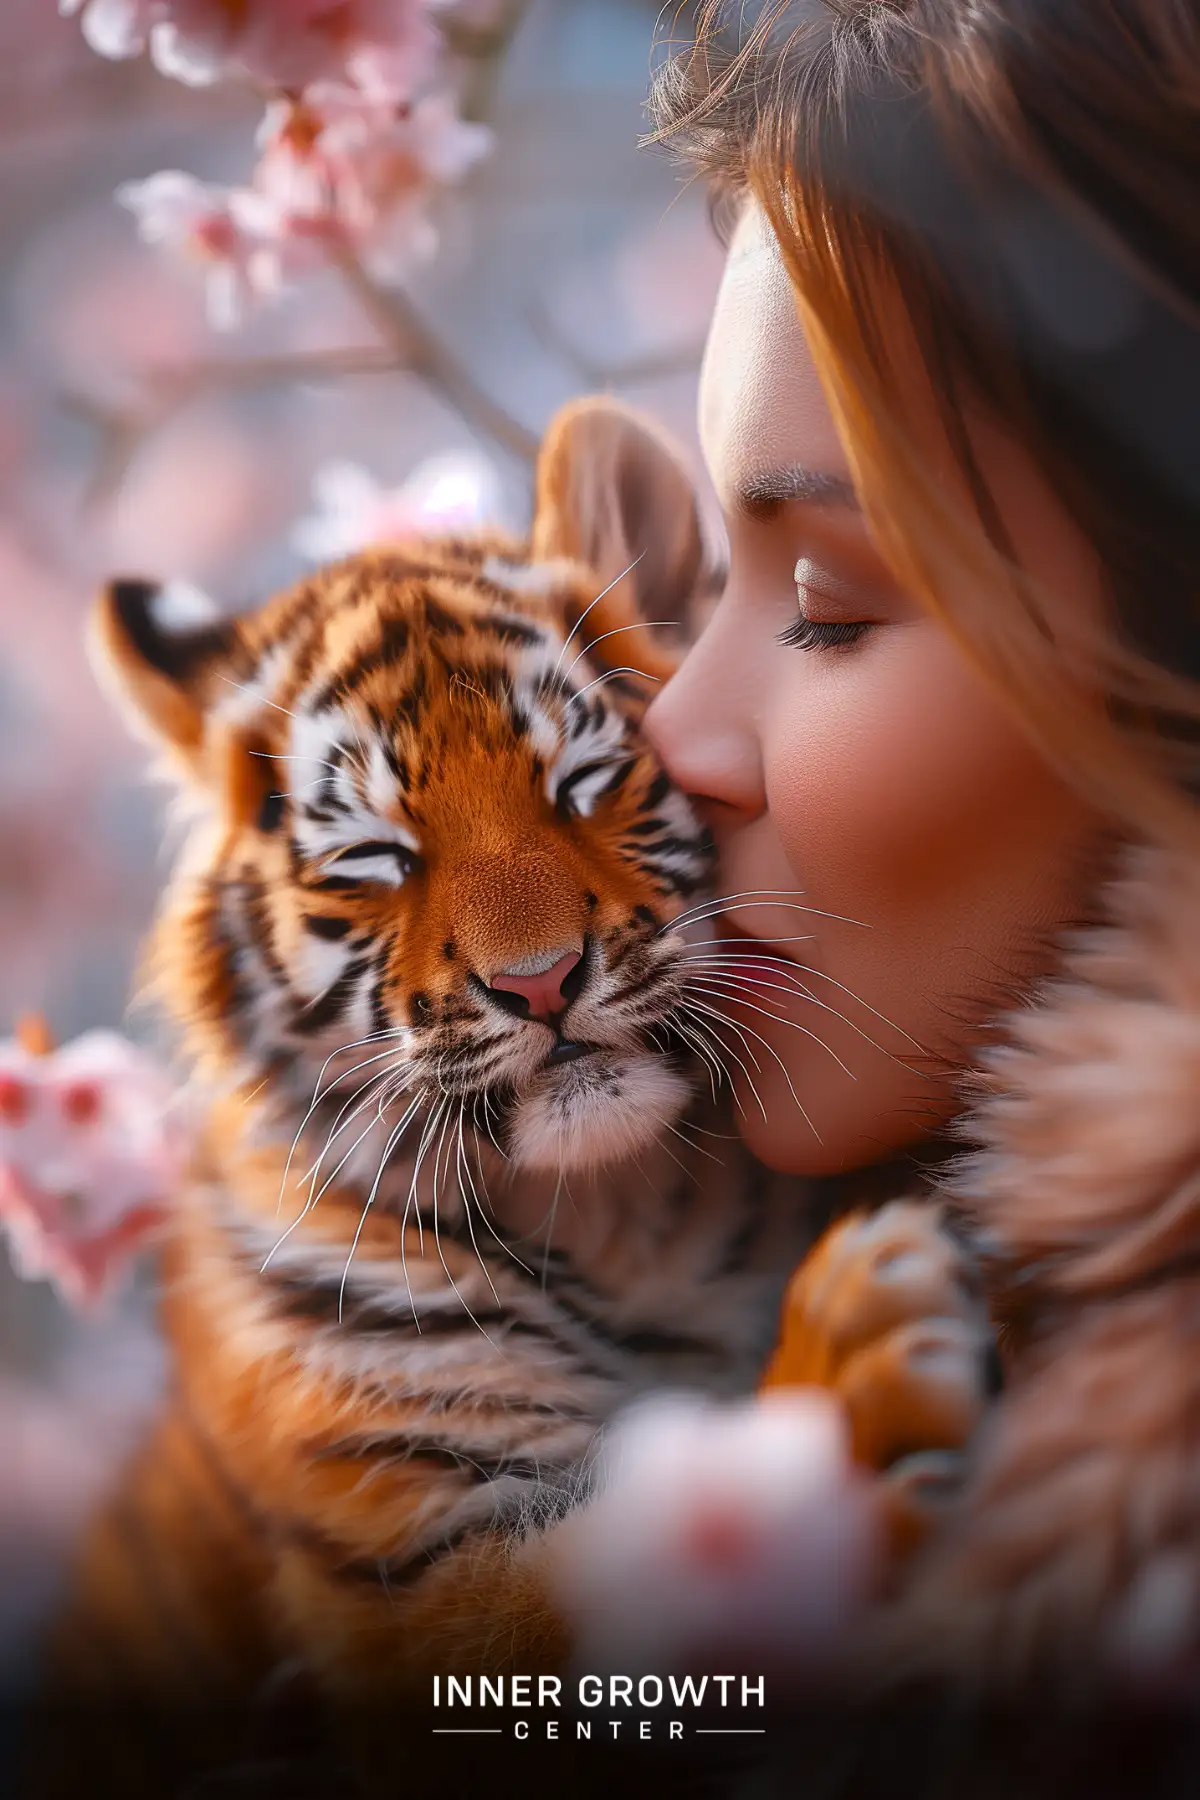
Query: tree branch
x,y
485,47
628,371
167,391
418,348
407,342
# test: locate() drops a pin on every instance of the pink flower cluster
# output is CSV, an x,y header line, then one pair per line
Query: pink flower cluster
x,y
384,48
356,140
91,1151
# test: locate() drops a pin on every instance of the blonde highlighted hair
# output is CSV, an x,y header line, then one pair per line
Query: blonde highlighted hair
x,y
987,210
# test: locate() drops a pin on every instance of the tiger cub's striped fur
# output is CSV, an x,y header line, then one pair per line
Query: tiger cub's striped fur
x,y
437,1231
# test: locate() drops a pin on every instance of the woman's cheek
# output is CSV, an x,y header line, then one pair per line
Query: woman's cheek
x,y
901,792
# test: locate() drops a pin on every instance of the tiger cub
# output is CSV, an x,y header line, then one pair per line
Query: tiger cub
x,y
461,1189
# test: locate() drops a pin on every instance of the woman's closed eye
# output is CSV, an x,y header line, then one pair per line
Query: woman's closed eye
x,y
818,591
817,634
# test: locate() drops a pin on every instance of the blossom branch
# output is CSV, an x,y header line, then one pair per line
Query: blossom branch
x,y
167,391
397,320
484,48
408,344
619,372
361,131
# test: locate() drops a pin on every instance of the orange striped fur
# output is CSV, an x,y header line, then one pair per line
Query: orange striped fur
x,y
417,1266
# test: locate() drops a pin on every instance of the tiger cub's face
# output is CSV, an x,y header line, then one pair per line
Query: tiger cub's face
x,y
431,831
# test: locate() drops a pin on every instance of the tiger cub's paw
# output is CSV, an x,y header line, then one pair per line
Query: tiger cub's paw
x,y
881,1313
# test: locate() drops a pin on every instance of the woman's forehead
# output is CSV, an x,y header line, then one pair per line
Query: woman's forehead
x,y
761,404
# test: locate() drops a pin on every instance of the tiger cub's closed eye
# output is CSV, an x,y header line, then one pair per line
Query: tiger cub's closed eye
x,y
379,860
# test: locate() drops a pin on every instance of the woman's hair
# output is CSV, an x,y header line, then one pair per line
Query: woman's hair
x,y
990,209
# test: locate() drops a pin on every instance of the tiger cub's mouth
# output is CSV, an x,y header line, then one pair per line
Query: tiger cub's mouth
x,y
569,1050
589,1106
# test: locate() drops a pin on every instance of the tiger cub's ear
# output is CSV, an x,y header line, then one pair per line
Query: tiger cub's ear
x,y
157,648
613,491
173,664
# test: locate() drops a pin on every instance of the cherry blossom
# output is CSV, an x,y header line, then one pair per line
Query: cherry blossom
x,y
114,28
385,47
364,174
238,236
455,492
336,175
355,141
444,145
91,1150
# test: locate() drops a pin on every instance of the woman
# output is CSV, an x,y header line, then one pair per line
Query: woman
x,y
950,700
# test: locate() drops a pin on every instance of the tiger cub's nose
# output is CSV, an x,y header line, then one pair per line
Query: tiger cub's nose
x,y
546,993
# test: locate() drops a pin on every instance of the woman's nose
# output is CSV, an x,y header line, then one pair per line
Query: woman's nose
x,y
705,734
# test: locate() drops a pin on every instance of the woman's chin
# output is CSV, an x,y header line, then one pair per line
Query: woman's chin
x,y
819,1131
780,1128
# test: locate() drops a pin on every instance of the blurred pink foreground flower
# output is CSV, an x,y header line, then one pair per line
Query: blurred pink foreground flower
x,y
720,1532
90,1154
455,492
383,47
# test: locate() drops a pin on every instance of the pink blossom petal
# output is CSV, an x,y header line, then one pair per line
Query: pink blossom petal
x,y
446,145
236,233
404,240
169,205
116,28
346,497
385,47
193,61
393,71
85,1268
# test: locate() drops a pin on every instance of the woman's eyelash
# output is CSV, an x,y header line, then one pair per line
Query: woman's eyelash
x,y
813,634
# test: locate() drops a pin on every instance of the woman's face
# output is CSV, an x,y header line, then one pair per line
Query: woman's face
x,y
860,772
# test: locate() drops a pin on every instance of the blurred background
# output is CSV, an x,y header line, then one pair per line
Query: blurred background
x,y
133,439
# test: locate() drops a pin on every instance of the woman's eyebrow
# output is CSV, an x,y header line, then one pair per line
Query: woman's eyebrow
x,y
761,496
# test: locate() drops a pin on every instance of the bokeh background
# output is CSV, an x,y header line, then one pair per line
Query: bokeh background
x,y
132,439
